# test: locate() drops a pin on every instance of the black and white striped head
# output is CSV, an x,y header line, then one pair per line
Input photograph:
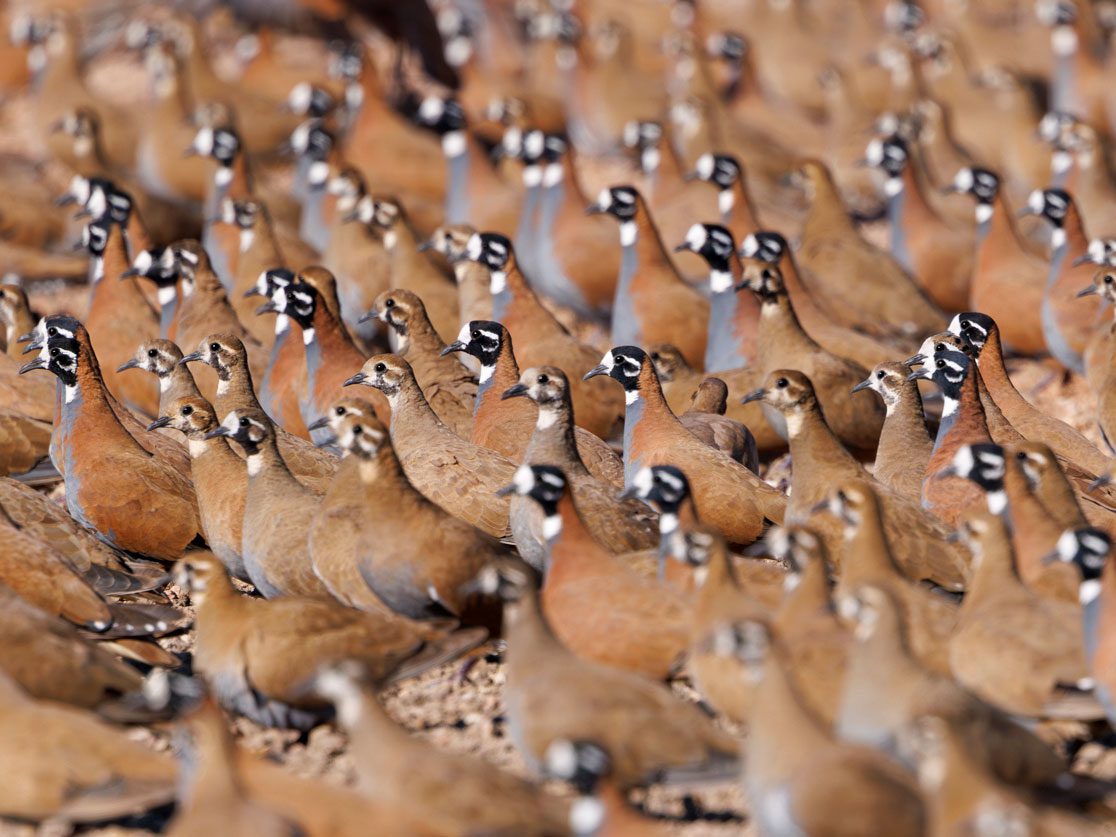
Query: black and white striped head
x,y
221,143
1052,204
623,364
1087,548
889,155
249,427
1057,127
1101,251
973,327
441,115
306,99
642,133
764,280
95,236
797,547
312,140
903,17
982,463
948,371
482,339
298,301
663,486
1056,13
712,242
722,170
59,352
727,46
981,183
360,435
545,484
271,280
157,264
583,764
747,641
621,202
346,60
490,249
765,246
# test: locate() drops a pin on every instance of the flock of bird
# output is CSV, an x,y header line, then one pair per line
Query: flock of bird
x,y
370,357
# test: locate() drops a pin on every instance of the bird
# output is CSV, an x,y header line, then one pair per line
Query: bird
x,y
618,525
260,655
593,600
653,436
506,426
145,506
454,791
417,560
905,444
554,694
458,475
450,388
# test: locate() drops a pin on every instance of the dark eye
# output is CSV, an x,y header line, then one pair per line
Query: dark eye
x,y
1108,279
939,347
390,303
54,352
381,367
475,334
340,411
655,356
213,347
244,422
782,383
151,352
52,330
187,410
941,364
1021,456
879,375
358,430
965,324
543,379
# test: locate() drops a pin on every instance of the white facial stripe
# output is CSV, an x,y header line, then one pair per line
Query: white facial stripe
x,y
704,166
963,180
524,479
696,236
643,481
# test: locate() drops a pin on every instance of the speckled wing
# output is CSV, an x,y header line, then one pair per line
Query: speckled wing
x,y
23,442
463,480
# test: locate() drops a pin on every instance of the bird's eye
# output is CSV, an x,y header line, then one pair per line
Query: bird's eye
x,y
340,411
381,367
1108,279
389,303
187,410
543,379
941,364
52,330
939,347
213,347
656,356
244,422
474,334
358,430
965,324
1021,456
782,383
152,352
879,375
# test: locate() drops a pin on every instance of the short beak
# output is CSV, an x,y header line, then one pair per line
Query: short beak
x,y
951,189
1089,291
754,395
599,369
37,363
629,493
505,491
455,346
190,152
162,421
348,218
514,391
1099,482
1049,558
914,360
65,200
218,431
918,374
862,163
1082,259
358,378
253,291
426,245
953,537
862,385
371,315
820,508
129,272
691,175
33,346
128,364
190,358
1025,212
743,286
267,308
681,248
756,550
594,209
320,424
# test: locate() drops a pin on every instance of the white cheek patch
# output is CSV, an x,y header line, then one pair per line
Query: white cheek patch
x,y
643,481
668,523
963,181
696,236
473,247
231,422
604,199
70,393
1035,201
704,166
524,479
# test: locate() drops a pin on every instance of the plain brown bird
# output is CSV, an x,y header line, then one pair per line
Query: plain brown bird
x,y
260,655
905,443
457,474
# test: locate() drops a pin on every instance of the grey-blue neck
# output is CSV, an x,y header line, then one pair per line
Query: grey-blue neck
x,y
632,415
527,233
1055,341
483,386
899,249
722,349
166,316
311,227
550,276
457,192
625,324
